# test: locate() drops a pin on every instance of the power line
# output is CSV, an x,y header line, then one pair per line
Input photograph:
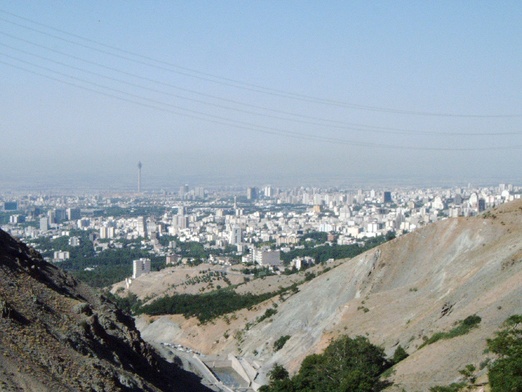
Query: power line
x,y
135,99
322,122
159,64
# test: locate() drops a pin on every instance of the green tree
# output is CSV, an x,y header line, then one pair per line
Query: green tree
x,y
505,374
346,365
355,361
278,373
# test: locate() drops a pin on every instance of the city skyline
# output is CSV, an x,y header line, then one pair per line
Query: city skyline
x,y
253,93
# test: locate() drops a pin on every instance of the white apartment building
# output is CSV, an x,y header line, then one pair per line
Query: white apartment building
x,y
140,267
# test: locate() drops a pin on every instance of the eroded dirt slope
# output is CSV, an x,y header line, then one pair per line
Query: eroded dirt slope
x,y
399,293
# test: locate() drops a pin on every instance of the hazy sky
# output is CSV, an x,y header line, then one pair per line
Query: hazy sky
x,y
259,91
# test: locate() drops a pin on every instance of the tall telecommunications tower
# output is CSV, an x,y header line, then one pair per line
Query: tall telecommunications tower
x,y
139,176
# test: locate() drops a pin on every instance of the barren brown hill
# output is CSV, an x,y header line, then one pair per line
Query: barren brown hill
x,y
199,279
400,293
57,334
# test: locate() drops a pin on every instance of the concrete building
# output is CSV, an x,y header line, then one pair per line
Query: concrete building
x,y
172,259
107,232
252,193
142,226
266,257
235,235
73,213
83,223
61,255
387,197
59,214
140,267
44,224
183,190
74,241
199,192
481,205
269,191
15,219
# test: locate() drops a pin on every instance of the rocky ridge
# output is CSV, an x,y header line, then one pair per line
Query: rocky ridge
x,y
57,334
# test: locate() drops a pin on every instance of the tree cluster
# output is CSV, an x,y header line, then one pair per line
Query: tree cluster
x,y
347,364
203,306
323,253
505,374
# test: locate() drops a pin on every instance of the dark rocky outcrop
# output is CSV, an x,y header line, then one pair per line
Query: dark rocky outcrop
x,y
58,334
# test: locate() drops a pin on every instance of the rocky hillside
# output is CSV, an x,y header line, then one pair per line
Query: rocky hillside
x,y
400,293
57,334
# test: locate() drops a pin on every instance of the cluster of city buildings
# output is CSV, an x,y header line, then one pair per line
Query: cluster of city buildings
x,y
255,223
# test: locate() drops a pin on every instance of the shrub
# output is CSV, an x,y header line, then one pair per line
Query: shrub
x,y
279,343
455,387
268,313
399,355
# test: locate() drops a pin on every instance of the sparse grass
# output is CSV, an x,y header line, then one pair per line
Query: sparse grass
x,y
462,328
455,387
488,214
389,372
239,336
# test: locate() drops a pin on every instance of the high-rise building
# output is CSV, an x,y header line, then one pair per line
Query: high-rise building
x,y
142,226
73,213
103,232
60,215
183,190
181,221
269,191
458,199
44,224
481,205
387,197
199,192
235,235
107,232
51,217
252,193
140,267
